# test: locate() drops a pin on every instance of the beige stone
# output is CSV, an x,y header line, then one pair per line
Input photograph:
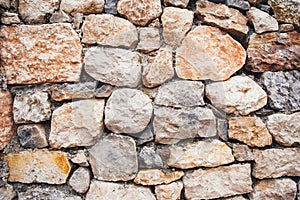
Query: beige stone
x,y
80,159
80,180
208,53
149,39
171,191
9,18
82,6
157,176
38,54
179,3
176,23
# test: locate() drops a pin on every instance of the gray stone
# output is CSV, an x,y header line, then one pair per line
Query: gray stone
x,y
80,180
9,18
157,176
60,17
144,136
238,4
77,20
242,152
4,173
149,159
222,129
286,28
82,6
178,3
171,191
7,192
149,39
104,91
32,136
110,7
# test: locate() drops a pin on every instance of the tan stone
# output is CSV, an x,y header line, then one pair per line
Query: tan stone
x,y
80,159
38,54
171,191
108,30
10,18
179,3
38,166
208,53
157,176
82,6
149,39
176,23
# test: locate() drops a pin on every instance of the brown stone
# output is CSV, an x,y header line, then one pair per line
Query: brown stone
x,y
82,6
149,39
171,191
157,176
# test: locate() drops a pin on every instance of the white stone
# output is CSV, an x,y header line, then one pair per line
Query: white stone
x,y
171,191
149,39
82,6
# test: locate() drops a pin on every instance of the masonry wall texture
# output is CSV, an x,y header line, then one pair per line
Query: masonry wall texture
x,y
149,99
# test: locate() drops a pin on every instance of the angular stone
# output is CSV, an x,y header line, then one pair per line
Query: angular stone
x,y
238,4
274,163
80,159
208,53
218,182
171,191
106,190
274,189
114,158
118,67
172,125
285,129
286,11
104,91
176,23
38,54
128,111
141,12
82,6
178,3
200,154
238,95
80,180
108,30
242,152
265,52
9,18
60,17
110,7
78,123
149,39
38,166
286,28
157,176
149,159
32,136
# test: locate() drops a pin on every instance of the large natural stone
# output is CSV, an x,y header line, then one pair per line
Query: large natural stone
x,y
114,66
38,54
274,163
265,52
200,154
238,4
208,53
106,190
140,12
242,152
250,130
276,189
38,166
78,123
128,111
172,125
149,159
32,136
157,176
171,191
149,39
114,158
176,23
80,180
9,18
108,30
217,182
82,6
284,128
238,95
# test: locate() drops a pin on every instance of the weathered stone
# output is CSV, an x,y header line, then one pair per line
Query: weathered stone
x,y
286,28
157,176
9,18
208,53
128,111
60,17
274,189
4,173
32,136
141,12
222,129
40,166
172,125
286,11
200,154
80,180
80,159
38,54
110,7
218,182
114,158
104,91
108,30
171,191
118,67
7,192
178,3
274,163
283,89
149,159
176,23
239,95
149,39
158,68
78,123
144,136
155,23
262,21
265,52
242,152
107,190
238,4
82,6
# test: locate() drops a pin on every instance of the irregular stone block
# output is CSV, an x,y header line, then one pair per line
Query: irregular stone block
x,y
242,152
178,3
149,39
80,180
171,191
287,11
80,159
60,17
32,136
144,136
82,6
104,91
238,4
149,159
286,28
157,176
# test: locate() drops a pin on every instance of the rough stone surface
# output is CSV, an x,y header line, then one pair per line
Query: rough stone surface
x,y
242,152
80,159
32,136
114,66
128,111
144,136
208,53
80,180
149,159
286,28
107,190
176,23
114,158
9,18
274,189
222,129
60,17
178,3
172,125
82,6
285,129
149,39
104,91
238,95
158,68
108,30
7,192
200,154
171,191
4,173
141,12
287,11
265,52
40,166
274,163
157,176
217,182
77,123
38,54
110,7
238,4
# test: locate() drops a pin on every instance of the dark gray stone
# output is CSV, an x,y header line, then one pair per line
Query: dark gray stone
x,y
149,159
143,137
32,136
222,129
239,4
110,7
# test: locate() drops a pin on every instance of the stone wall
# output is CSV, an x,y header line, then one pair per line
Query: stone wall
x,y
150,99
